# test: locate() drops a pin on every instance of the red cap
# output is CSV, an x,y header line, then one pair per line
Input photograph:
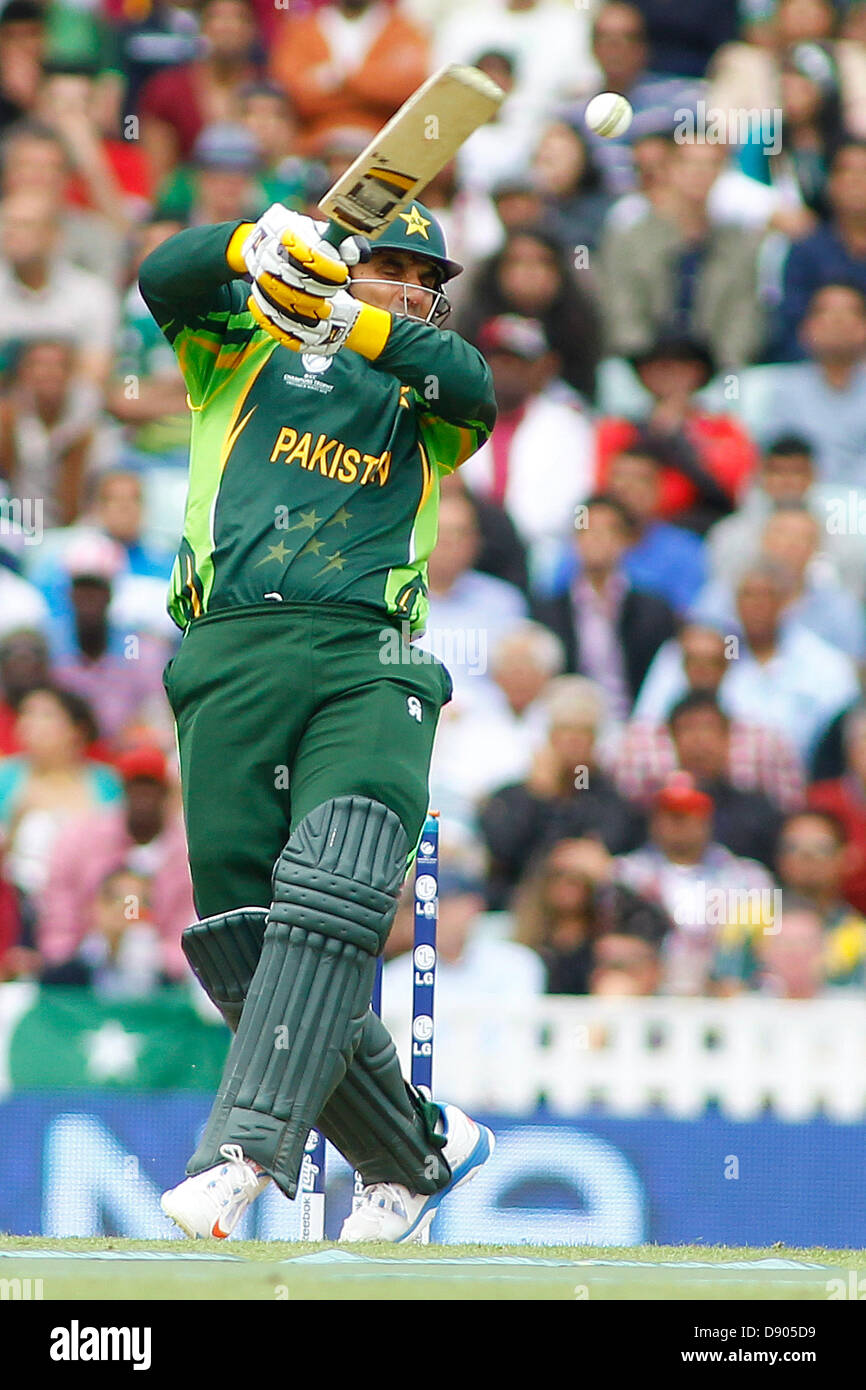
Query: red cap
x,y
522,337
146,761
682,797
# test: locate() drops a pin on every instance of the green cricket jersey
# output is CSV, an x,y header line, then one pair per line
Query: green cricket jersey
x,y
311,478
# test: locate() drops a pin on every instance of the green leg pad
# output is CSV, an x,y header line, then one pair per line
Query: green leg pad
x,y
335,895
379,1123
223,953
375,1120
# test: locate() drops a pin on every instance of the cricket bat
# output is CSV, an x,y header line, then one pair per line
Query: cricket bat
x,y
409,151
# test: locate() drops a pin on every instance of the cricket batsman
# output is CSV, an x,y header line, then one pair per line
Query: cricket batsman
x,y
327,401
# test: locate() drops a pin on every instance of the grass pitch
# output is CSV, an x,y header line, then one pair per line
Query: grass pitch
x,y
113,1269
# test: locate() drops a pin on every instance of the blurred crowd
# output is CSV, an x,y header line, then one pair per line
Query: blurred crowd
x,y
649,584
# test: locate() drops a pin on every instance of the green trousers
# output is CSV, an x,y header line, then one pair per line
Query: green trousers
x,y
280,707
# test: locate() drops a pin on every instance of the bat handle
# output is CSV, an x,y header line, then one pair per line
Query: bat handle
x,y
335,234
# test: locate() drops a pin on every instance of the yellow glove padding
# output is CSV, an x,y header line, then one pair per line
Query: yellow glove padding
x,y
294,302
287,339
332,274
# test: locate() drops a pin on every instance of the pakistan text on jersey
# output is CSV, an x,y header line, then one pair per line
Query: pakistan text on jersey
x,y
342,464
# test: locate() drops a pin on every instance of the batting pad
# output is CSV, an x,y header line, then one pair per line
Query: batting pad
x,y
335,894
375,1120
380,1124
223,952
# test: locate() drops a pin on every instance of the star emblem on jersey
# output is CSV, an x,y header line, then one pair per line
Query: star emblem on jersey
x,y
308,521
313,546
339,518
416,225
275,552
336,562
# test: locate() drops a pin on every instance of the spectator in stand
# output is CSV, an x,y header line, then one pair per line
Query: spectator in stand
x,y
621,52
759,759
798,161
537,464
144,833
786,476
565,796
817,601
119,672
21,604
502,552
712,457
348,65
36,161
683,41
222,182
146,392
268,115
748,74
845,798
651,153
610,628
43,296
571,907
108,174
548,45
663,559
469,611
789,964
676,271
777,675
47,425
532,277
784,676
22,52
115,512
176,104
835,254
735,197
502,144
15,957
470,964
745,822
121,955
823,400
481,744
698,882
48,784
151,41
565,173
813,859
23,667
625,966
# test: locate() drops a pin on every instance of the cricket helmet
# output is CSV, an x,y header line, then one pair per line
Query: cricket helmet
x,y
417,230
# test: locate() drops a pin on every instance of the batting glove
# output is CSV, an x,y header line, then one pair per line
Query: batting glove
x,y
322,325
286,248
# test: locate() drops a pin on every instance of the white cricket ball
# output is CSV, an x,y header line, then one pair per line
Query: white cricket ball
x,y
609,115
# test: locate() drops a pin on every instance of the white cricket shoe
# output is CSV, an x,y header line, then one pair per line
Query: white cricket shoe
x,y
212,1203
389,1211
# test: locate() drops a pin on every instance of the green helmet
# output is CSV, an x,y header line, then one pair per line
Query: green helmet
x,y
417,230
